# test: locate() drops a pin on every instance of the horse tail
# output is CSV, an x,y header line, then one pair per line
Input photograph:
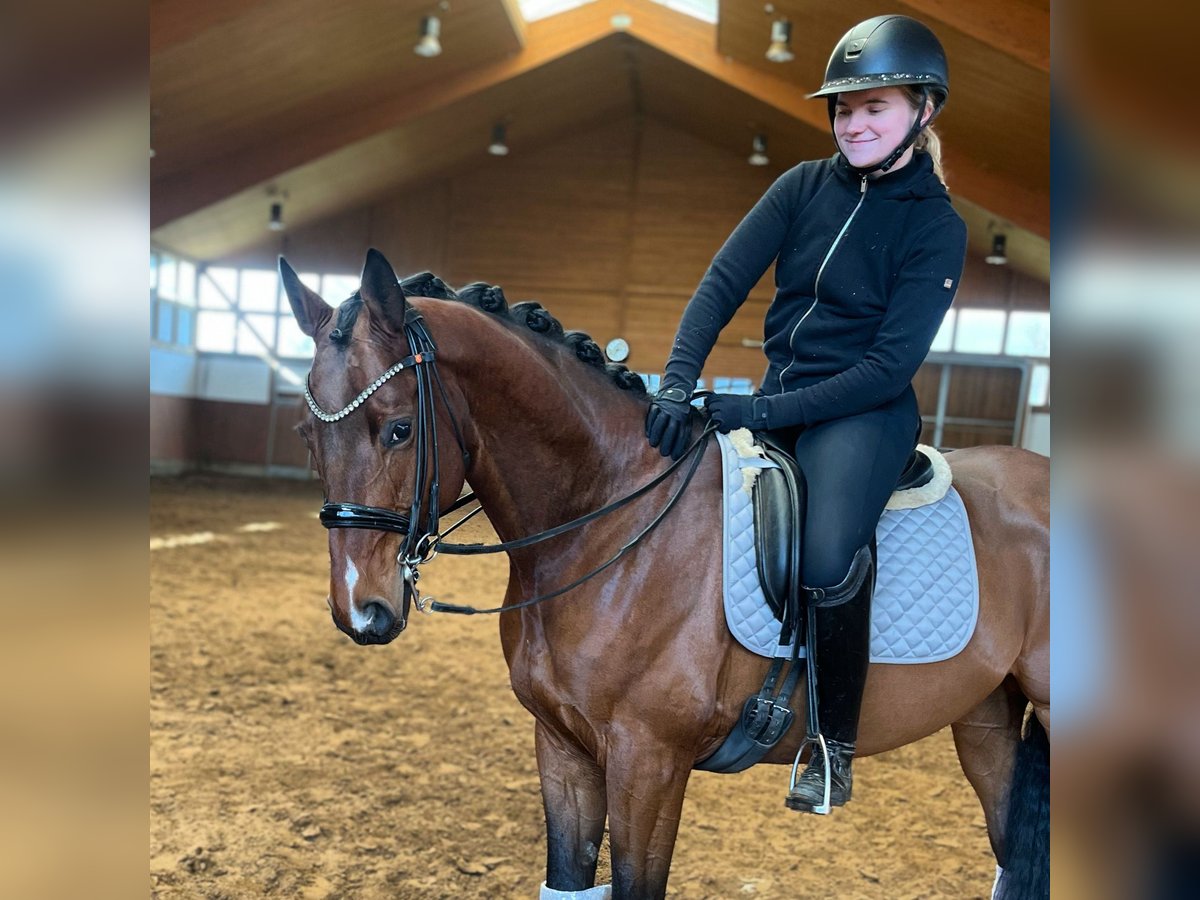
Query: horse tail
x,y
1026,873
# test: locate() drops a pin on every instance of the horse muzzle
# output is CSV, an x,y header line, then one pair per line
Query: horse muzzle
x,y
375,623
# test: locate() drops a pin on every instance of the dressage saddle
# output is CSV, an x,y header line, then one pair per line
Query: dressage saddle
x,y
779,500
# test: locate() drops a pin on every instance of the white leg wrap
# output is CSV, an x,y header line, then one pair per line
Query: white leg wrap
x,y
599,892
996,883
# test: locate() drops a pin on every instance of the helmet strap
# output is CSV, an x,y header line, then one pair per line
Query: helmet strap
x,y
886,164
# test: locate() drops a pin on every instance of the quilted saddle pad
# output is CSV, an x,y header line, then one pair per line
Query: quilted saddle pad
x,y
926,592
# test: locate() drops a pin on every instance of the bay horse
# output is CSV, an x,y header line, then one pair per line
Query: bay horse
x,y
632,676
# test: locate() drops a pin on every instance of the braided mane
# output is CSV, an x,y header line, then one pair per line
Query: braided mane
x,y
528,314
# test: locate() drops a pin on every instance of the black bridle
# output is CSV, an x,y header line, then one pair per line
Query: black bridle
x,y
424,542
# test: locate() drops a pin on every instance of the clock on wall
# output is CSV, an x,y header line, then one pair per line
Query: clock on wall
x,y
617,350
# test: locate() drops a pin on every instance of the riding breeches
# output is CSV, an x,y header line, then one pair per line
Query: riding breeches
x,y
851,467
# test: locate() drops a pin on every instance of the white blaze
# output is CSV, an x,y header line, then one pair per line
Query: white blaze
x,y
357,620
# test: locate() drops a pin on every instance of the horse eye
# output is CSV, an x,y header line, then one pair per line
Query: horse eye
x,y
396,433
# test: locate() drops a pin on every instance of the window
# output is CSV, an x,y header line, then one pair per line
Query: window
x,y
532,10
218,288
168,272
222,309
292,341
979,331
214,331
187,283
172,295
338,288
1039,385
733,386
256,334
259,291
944,339
1028,334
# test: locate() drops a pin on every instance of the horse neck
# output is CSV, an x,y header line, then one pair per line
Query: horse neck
x,y
553,439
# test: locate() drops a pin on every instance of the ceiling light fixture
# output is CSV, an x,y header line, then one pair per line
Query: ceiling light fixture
x,y
275,222
780,50
429,45
498,146
759,155
999,254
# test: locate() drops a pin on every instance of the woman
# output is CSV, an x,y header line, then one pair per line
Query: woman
x,y
868,253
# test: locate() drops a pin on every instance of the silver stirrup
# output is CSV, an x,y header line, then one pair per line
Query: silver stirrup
x,y
819,740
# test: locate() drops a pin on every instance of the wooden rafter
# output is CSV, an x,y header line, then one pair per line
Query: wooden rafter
x,y
695,45
1016,29
682,37
545,41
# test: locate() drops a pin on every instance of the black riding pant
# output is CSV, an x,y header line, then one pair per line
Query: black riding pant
x,y
851,466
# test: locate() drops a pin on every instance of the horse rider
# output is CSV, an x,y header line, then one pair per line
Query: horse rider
x,y
868,253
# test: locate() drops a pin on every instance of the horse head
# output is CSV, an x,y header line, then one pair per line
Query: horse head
x,y
375,410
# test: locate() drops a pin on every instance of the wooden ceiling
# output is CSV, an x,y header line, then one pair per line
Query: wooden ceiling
x,y
328,104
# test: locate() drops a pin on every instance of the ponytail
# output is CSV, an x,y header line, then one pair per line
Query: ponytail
x,y
929,142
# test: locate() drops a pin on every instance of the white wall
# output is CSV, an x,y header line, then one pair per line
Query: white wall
x,y
1037,433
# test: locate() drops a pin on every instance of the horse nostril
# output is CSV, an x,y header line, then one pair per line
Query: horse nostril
x,y
379,619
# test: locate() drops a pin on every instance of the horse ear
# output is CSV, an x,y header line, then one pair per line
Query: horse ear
x,y
310,310
381,290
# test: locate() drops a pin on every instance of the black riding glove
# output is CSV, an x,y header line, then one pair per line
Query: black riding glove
x,y
732,411
667,421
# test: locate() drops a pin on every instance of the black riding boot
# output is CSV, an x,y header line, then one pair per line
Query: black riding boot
x,y
843,652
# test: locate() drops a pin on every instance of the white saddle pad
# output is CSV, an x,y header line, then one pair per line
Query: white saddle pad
x,y
926,591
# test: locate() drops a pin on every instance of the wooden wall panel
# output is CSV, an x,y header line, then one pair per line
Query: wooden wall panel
x,y
1000,287
172,432
288,449
983,393
230,432
689,198
926,384
555,220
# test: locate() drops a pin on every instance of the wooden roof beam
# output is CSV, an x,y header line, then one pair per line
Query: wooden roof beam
x,y
177,21
174,196
1015,29
694,43
680,36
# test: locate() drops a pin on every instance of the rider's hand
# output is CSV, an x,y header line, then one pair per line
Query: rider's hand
x,y
667,421
731,411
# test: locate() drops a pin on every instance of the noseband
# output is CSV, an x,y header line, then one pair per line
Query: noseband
x,y
423,542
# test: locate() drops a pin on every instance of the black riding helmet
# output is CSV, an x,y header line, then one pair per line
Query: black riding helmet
x,y
888,51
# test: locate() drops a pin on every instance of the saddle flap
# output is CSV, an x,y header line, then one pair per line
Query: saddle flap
x,y
779,502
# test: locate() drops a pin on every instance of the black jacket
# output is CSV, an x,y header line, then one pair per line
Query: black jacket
x,y
865,272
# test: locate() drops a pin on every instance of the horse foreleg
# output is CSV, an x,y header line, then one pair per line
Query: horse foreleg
x,y
573,796
986,740
645,799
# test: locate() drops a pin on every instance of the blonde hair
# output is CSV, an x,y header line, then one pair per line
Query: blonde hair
x,y
927,141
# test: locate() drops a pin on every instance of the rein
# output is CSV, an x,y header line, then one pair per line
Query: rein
x,y
423,544
696,451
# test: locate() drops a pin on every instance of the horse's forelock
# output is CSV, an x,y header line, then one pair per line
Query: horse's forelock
x,y
347,315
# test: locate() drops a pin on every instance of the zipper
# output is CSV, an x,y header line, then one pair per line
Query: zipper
x,y
862,195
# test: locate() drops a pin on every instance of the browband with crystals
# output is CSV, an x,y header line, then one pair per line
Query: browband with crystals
x,y
407,363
